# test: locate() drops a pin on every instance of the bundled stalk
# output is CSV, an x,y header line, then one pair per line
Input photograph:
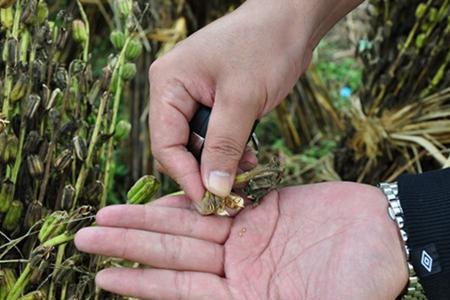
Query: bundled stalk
x,y
401,121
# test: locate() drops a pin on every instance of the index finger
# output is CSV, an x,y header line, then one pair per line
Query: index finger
x,y
171,108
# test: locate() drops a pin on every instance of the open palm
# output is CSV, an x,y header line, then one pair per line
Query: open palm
x,y
323,241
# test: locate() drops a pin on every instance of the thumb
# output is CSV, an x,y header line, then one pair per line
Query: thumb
x,y
229,128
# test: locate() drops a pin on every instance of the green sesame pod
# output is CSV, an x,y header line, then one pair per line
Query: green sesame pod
x,y
10,152
42,12
25,39
143,190
19,87
6,196
123,129
79,32
123,7
117,39
420,10
128,71
6,17
54,225
134,49
7,281
12,217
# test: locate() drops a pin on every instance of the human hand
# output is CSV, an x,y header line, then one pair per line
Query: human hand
x,y
322,241
242,66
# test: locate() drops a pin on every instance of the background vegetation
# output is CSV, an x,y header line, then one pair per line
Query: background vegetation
x,y
73,126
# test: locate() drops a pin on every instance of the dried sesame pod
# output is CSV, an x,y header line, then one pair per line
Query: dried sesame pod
x,y
29,11
76,66
34,213
143,190
123,129
35,166
54,224
61,78
134,49
39,69
128,71
54,98
6,3
13,215
42,12
81,217
10,152
38,255
94,192
63,160
6,195
79,32
6,17
32,105
67,197
117,38
80,147
10,52
32,142
19,87
67,268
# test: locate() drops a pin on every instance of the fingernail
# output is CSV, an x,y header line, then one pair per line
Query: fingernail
x,y
219,183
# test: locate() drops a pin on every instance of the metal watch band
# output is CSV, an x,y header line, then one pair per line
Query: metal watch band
x,y
390,190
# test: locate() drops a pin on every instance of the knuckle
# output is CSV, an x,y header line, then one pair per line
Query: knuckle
x,y
154,69
225,146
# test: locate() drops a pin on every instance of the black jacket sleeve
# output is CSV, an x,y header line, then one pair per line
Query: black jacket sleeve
x,y
425,200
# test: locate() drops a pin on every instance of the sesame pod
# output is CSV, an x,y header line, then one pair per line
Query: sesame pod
x,y
123,129
55,97
3,143
19,88
54,225
34,213
134,49
10,52
36,295
39,69
421,10
7,17
63,160
143,190
67,197
25,39
6,3
32,105
80,147
7,281
29,12
81,217
123,7
128,71
6,196
12,146
32,142
38,255
36,278
93,192
42,12
12,217
76,66
61,78
117,38
79,32
35,166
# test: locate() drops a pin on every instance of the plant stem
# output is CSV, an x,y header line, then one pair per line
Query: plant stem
x,y
20,284
86,24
